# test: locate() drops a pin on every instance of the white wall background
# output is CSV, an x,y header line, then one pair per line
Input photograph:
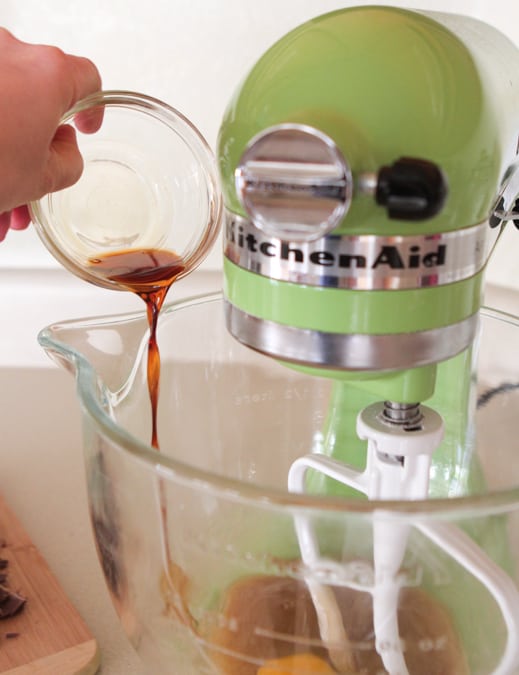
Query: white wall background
x,y
192,53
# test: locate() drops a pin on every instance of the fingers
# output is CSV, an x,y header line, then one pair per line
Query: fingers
x,y
5,221
17,219
20,218
69,78
65,164
89,121
66,78
86,80
39,84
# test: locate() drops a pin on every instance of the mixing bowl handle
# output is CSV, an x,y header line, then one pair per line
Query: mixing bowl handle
x,y
502,588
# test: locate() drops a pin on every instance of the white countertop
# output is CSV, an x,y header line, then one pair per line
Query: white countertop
x,y
42,464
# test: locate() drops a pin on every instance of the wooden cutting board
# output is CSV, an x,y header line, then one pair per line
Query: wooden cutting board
x,y
48,637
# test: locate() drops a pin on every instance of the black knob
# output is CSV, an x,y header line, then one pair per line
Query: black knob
x,y
411,189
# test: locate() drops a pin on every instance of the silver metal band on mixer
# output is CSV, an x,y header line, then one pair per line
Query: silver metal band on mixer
x,y
361,352
362,262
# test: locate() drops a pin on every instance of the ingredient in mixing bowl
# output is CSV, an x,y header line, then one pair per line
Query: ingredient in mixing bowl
x,y
272,620
175,588
299,664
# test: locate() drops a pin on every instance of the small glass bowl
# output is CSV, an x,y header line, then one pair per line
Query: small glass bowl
x,y
149,183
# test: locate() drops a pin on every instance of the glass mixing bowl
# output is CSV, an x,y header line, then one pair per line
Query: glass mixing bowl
x,y
199,544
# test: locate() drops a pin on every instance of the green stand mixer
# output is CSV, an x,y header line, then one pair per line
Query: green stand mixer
x,y
326,498
368,164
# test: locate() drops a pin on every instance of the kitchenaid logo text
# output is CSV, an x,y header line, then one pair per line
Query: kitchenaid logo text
x,y
382,255
364,262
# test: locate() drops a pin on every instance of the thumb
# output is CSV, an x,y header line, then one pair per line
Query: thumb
x,y
65,164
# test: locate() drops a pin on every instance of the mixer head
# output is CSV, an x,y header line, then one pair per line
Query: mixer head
x,y
361,160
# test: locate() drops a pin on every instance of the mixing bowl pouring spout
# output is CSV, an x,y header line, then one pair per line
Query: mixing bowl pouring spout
x,y
110,346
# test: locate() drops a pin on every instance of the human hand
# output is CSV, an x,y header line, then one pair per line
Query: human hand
x,y
38,85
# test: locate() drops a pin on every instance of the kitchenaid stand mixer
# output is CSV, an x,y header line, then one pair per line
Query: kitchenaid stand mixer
x,y
368,164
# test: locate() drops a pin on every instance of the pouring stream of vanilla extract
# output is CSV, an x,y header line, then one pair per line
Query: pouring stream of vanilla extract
x,y
149,273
